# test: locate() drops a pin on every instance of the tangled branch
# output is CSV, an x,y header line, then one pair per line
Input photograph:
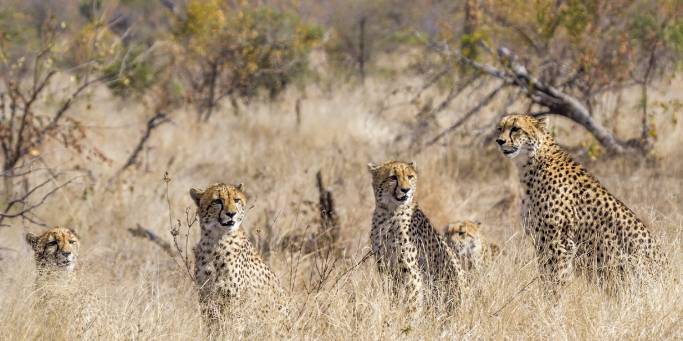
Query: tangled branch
x,y
25,200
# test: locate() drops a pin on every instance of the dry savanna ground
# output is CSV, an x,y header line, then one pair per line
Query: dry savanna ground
x,y
128,288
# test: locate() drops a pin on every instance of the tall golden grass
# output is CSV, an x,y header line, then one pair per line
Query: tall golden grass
x,y
128,288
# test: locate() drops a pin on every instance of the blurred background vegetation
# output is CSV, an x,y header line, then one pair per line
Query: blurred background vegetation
x,y
549,57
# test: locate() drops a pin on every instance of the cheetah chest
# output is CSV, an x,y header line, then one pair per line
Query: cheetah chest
x,y
222,268
385,242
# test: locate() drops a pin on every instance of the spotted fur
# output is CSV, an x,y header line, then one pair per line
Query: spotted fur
x,y
467,243
54,250
574,221
228,269
406,247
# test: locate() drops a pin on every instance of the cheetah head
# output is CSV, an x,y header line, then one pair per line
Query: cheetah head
x,y
519,134
394,182
463,236
220,206
55,249
463,229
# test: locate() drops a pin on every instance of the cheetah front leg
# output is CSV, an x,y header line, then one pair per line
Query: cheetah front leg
x,y
557,263
412,276
455,278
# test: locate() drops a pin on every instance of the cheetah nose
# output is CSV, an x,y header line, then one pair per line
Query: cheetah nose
x,y
231,214
500,142
66,253
405,190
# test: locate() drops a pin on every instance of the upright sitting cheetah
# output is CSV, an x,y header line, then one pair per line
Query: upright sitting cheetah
x,y
467,243
573,219
405,245
55,252
228,268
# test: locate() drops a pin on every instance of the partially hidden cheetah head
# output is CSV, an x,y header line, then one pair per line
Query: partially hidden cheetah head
x,y
463,229
220,206
55,249
520,134
394,182
463,237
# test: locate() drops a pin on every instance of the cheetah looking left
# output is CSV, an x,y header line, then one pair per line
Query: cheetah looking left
x,y
574,221
228,268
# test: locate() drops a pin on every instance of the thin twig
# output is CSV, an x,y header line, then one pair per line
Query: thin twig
x,y
513,297
484,102
343,274
30,208
175,230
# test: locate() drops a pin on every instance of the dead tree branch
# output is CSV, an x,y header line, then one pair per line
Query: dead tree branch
x,y
484,102
557,102
329,220
24,202
154,122
144,233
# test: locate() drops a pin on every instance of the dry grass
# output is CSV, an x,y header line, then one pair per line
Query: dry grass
x,y
128,288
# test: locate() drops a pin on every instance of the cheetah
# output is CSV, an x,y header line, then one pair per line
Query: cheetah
x,y
407,249
467,243
576,225
228,269
55,252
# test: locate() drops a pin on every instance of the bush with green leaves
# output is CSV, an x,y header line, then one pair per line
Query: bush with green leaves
x,y
236,51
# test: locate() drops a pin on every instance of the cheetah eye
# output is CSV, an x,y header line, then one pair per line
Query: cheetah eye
x,y
72,242
393,178
237,200
217,202
514,129
411,177
500,129
52,243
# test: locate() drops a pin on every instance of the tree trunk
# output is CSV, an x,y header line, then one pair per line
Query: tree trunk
x,y
571,108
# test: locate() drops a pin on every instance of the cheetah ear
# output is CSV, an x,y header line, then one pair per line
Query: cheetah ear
x,y
196,195
32,240
542,122
413,164
74,232
373,167
240,187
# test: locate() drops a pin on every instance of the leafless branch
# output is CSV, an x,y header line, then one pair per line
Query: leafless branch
x,y
30,207
155,121
484,102
556,101
329,220
144,233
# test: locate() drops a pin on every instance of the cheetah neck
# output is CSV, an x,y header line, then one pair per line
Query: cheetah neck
x,y
537,158
382,213
48,276
211,235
